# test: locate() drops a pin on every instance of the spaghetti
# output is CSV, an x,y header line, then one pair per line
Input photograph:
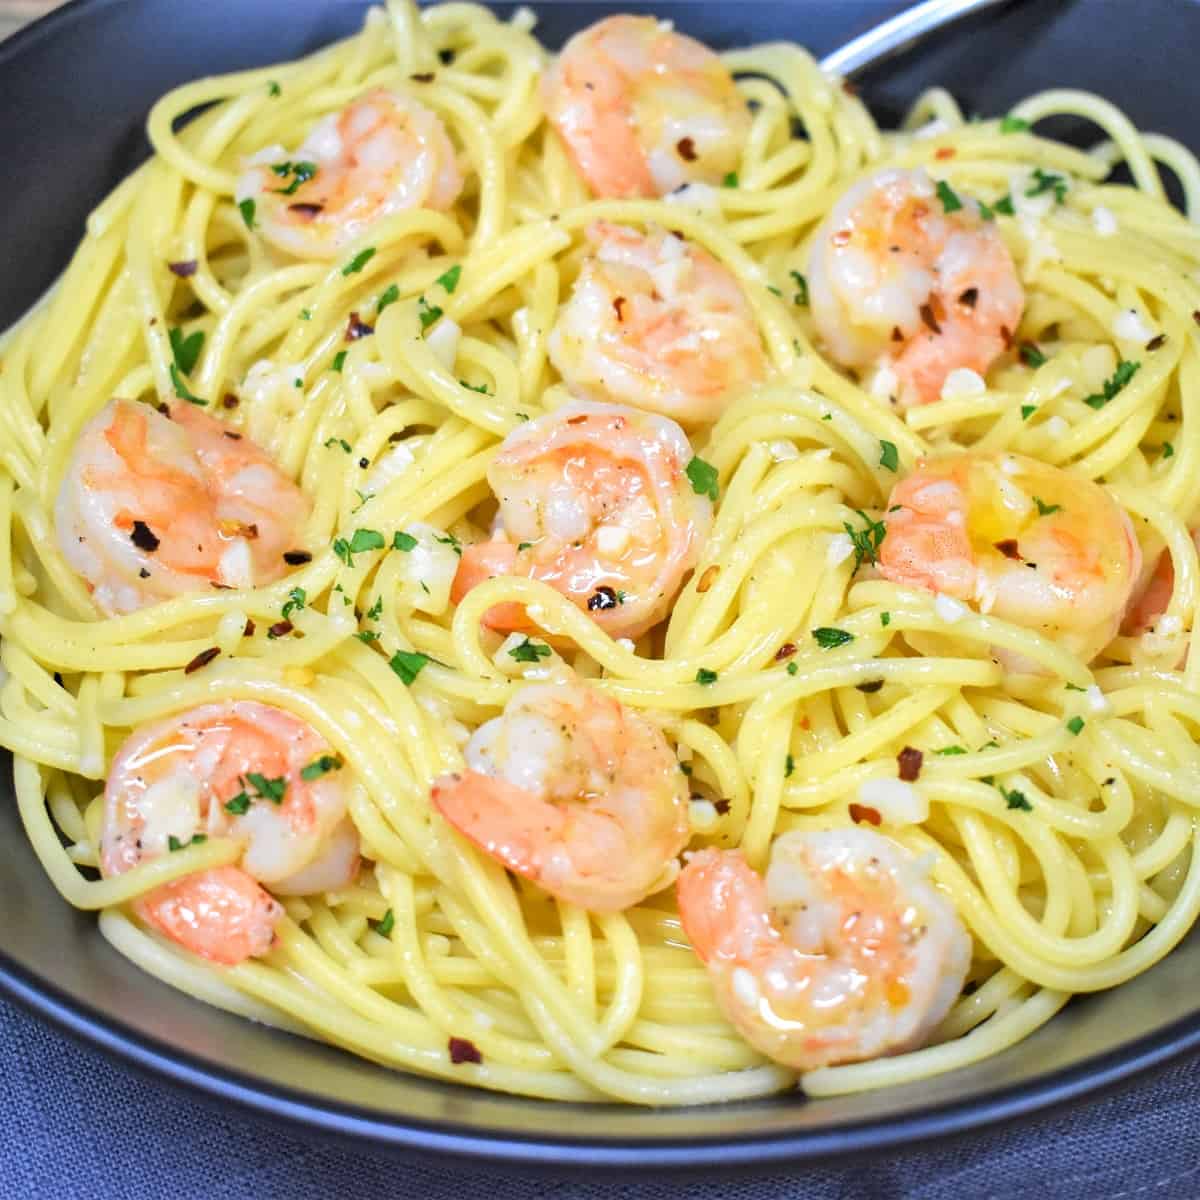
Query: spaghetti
x,y
378,369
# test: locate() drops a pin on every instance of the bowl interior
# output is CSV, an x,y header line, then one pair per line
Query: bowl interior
x,y
75,142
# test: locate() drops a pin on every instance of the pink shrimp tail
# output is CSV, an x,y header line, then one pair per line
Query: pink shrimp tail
x,y
723,906
222,914
484,561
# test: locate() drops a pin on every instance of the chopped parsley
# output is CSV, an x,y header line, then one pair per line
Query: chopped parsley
x,y
181,387
1011,124
705,677
801,297
1048,181
703,477
246,208
403,541
1044,509
339,361
389,296
1016,799
1027,411
451,541
1031,355
306,314
988,214
367,636
949,750
361,541
337,441
789,765
1168,451
321,766
1075,725
185,350
866,542
385,926
408,665
376,609
885,619
427,312
949,198
828,637
300,172
267,789
889,456
295,602
359,261
197,839
1005,206
273,89
449,279
238,805
730,180
792,668
529,652
482,389
1114,384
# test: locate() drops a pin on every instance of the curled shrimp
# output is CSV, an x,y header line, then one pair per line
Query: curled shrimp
x,y
656,323
595,501
231,769
901,278
382,154
574,791
643,110
1031,543
153,506
844,952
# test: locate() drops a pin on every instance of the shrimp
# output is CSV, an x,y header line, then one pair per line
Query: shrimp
x,y
381,154
901,277
1152,600
1031,543
643,110
596,502
154,506
656,323
230,769
844,952
574,791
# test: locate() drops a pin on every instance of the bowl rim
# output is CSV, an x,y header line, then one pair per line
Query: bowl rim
x,y
1089,1078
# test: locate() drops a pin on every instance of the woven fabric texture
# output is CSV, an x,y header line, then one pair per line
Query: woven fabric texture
x,y
74,1124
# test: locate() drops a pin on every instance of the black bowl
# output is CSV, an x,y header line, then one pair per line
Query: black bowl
x,y
75,91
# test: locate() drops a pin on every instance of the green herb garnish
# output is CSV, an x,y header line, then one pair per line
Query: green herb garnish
x,y
828,637
703,478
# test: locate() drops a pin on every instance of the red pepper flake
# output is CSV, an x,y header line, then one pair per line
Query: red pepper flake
x,y
229,400
897,336
422,77
969,297
861,812
1009,548
250,627
143,537
909,761
841,237
464,1051
687,149
1006,337
306,210
944,152
202,659
785,651
184,269
356,329
579,420
1157,343
296,558
722,806
931,322
619,307
280,629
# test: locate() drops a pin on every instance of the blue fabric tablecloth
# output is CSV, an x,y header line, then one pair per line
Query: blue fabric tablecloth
x,y
73,1123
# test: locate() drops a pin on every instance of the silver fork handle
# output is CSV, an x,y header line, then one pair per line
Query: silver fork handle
x,y
898,33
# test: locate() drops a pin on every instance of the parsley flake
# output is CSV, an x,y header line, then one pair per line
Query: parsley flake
x,y
703,477
730,180
1044,509
296,600
185,350
949,198
705,677
197,839
359,261
1048,181
1075,725
301,173
1168,451
449,279
885,619
267,789
1027,411
181,387
408,665
889,456
866,542
529,652
1031,355
337,441
1114,384
1011,124
1016,799
428,313
403,541
828,637
238,805
321,766
385,926
949,750
246,208
789,765
273,89
792,668
800,299
339,361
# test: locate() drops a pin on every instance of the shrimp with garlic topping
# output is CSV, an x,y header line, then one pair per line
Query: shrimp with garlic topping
x,y
1027,542
843,952
596,502
643,110
574,791
658,323
157,505
911,280
382,154
236,769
